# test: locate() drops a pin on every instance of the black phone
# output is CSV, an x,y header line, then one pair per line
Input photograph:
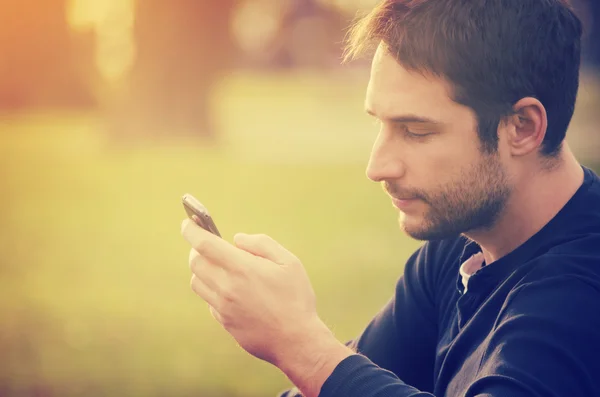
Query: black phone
x,y
199,214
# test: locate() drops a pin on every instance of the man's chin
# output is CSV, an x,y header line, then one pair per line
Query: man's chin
x,y
412,226
418,228
416,234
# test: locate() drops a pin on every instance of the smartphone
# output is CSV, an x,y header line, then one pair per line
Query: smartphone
x,y
199,214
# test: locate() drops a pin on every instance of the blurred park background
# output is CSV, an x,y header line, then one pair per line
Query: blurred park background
x,y
111,110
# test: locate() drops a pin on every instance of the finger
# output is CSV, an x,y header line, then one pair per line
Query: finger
x,y
213,248
202,290
265,247
216,315
211,275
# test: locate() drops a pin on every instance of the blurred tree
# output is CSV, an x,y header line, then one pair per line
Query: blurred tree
x,y
298,34
311,35
182,48
40,64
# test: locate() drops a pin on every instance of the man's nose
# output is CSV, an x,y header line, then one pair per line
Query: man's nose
x,y
385,162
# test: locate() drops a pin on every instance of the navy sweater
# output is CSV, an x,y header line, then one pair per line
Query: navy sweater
x,y
528,324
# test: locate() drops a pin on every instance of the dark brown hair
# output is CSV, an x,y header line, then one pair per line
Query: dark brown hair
x,y
493,52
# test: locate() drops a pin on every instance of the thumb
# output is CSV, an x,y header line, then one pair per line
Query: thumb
x,y
265,247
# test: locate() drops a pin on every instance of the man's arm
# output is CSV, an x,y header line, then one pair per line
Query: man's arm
x,y
295,392
402,337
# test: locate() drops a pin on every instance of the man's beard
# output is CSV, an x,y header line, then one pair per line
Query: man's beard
x,y
472,201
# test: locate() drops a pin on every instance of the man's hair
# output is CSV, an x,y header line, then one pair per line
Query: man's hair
x,y
493,52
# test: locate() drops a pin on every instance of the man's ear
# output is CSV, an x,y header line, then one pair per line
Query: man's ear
x,y
526,128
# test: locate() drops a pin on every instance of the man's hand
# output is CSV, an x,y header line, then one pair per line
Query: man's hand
x,y
260,293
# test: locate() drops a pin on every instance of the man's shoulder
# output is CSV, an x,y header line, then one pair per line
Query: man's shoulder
x,y
576,257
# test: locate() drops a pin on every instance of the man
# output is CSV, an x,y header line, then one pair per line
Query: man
x,y
474,99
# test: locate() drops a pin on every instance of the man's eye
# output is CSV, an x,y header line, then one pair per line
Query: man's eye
x,y
415,135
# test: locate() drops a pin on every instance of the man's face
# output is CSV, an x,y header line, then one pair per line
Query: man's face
x,y
428,155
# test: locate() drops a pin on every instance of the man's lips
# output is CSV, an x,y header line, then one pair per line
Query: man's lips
x,y
403,203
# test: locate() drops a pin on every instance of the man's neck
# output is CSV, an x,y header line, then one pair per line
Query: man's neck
x,y
537,198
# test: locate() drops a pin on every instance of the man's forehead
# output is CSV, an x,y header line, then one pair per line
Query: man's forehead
x,y
393,89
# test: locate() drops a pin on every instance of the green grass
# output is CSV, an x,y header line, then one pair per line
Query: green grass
x,y
94,281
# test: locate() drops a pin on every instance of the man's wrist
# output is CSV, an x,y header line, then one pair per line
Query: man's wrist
x,y
313,358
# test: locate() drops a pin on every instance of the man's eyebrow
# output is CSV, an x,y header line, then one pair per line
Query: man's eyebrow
x,y
405,118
